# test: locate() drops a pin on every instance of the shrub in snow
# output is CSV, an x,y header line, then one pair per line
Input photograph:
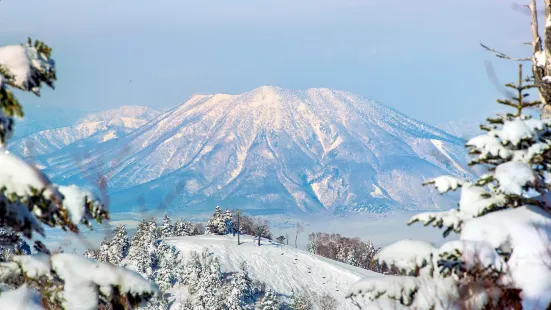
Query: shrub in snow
x,y
504,224
28,200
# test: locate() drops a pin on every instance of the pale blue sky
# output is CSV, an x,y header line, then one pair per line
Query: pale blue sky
x,y
420,57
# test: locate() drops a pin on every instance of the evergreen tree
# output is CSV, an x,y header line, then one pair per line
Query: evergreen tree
x,y
270,301
191,272
503,220
207,294
168,260
312,243
184,228
241,289
118,246
103,253
141,256
167,229
351,258
220,223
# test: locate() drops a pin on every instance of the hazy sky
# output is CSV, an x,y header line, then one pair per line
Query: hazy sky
x,y
420,57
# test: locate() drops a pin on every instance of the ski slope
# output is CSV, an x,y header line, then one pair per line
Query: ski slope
x,y
282,267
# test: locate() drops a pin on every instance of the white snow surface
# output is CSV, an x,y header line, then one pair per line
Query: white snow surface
x,y
406,254
283,268
313,150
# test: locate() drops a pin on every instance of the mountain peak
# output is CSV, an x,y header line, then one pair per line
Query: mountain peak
x,y
284,150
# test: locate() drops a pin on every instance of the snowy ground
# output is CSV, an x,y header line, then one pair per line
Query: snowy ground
x,y
283,268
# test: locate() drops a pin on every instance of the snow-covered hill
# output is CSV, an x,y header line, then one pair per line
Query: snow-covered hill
x,y
274,149
90,130
283,268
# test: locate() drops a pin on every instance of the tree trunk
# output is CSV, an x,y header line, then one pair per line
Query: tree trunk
x,y
540,72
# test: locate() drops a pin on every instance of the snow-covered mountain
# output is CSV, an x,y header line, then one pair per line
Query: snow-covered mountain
x,y
89,130
284,269
462,128
275,150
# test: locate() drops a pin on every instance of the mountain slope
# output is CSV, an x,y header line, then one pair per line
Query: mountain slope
x,y
274,149
91,129
463,129
284,269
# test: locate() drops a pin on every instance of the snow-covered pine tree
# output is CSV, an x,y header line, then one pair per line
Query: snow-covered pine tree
x,y
208,292
167,229
503,221
270,301
220,223
351,258
28,200
191,272
103,251
184,228
119,245
140,255
168,260
215,222
241,293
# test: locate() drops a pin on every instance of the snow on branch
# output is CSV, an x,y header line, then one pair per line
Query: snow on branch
x,y
452,220
85,280
488,146
409,256
400,288
27,66
30,198
421,292
445,183
474,257
514,176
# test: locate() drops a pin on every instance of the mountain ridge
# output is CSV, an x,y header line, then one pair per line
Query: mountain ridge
x,y
273,149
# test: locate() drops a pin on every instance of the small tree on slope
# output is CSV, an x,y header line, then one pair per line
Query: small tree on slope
x,y
28,200
270,301
241,289
503,222
119,245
